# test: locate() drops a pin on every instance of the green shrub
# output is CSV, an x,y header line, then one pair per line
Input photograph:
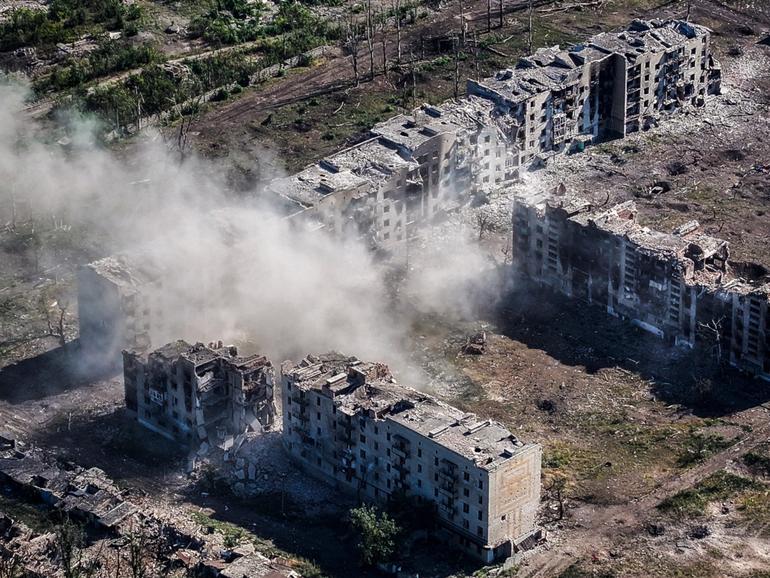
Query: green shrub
x,y
719,486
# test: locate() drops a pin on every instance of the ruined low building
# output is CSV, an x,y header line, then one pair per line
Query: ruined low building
x,y
348,423
197,394
679,286
611,85
87,495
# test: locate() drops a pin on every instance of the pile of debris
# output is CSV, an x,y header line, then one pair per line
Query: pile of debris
x,y
476,344
88,498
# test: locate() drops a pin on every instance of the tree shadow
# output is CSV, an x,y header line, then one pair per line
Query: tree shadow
x,y
584,335
54,372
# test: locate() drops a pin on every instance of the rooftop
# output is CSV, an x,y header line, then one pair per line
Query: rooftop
x,y
363,388
413,130
200,354
127,272
360,168
552,68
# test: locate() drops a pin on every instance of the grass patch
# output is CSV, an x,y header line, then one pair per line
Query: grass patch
x,y
37,518
758,462
700,447
233,535
717,487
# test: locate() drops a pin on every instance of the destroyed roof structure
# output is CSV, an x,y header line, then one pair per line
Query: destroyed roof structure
x,y
199,394
670,284
85,494
413,168
349,423
612,85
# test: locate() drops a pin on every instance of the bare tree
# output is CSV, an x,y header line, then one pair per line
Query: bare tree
x,y
529,43
383,18
500,13
483,223
489,15
456,44
398,30
54,305
556,493
462,20
69,545
353,42
413,73
370,30
507,251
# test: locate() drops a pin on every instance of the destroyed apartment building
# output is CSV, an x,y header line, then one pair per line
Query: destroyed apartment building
x,y
348,423
196,394
114,306
414,168
679,286
89,497
611,85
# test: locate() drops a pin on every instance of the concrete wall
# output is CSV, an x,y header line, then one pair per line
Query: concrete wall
x,y
373,458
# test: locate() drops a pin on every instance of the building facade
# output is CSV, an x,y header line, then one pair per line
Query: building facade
x,y
679,286
612,85
195,394
414,168
348,423
115,310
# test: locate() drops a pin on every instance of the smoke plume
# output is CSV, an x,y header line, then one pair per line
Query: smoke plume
x,y
233,268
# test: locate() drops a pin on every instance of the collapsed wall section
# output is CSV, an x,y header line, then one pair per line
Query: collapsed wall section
x,y
199,394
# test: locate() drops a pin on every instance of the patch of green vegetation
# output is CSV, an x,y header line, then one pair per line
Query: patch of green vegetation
x,y
111,56
754,508
234,535
717,487
38,519
758,461
64,21
156,90
700,447
229,22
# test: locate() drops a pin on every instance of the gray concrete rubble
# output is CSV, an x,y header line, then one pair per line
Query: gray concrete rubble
x,y
89,497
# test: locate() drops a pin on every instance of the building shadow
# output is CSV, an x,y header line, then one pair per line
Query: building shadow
x,y
53,372
114,442
584,335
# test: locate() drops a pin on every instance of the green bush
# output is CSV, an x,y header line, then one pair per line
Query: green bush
x,y
717,487
111,56
65,21
377,534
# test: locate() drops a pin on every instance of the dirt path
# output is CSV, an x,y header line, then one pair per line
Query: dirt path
x,y
337,72
594,529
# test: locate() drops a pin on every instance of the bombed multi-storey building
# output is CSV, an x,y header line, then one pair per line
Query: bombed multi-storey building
x,y
679,286
413,168
605,88
196,394
347,422
115,311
